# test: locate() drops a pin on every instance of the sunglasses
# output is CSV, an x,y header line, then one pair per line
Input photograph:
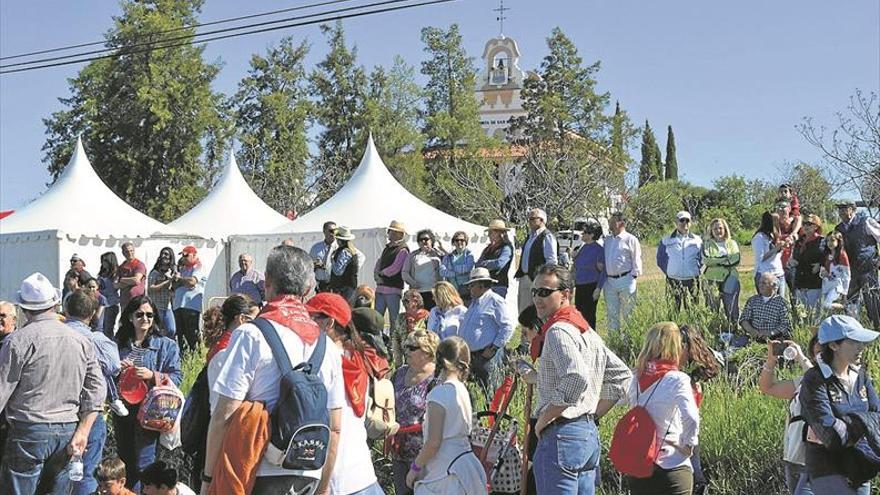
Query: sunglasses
x,y
535,218
413,348
684,220
459,240
424,239
143,314
544,291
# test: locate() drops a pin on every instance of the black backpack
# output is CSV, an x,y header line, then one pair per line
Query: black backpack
x,y
300,423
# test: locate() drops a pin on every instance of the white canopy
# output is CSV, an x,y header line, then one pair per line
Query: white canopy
x,y
231,208
79,203
372,198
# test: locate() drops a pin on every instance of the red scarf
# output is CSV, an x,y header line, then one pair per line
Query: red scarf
x,y
289,311
412,320
654,371
221,344
568,314
196,263
356,371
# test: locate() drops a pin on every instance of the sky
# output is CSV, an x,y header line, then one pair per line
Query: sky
x,y
733,79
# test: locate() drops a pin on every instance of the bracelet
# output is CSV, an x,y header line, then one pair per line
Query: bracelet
x,y
205,478
415,467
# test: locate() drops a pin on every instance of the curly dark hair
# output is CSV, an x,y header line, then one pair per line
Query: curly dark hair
x,y
704,364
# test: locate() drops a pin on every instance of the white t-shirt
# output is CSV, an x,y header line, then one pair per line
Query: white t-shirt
x,y
249,373
672,406
353,470
793,448
761,246
453,397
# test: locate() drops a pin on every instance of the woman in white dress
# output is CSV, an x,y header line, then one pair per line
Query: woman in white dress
x,y
446,464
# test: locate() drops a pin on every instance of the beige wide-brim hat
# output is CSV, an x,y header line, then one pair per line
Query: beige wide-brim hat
x,y
480,274
396,226
37,293
344,234
496,225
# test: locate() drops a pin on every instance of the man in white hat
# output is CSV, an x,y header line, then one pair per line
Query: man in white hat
x,y
52,390
486,327
346,261
389,281
538,250
679,257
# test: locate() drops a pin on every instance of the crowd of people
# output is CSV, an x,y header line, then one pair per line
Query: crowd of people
x,y
304,369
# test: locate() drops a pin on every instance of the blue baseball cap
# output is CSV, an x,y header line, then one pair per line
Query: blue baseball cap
x,y
839,327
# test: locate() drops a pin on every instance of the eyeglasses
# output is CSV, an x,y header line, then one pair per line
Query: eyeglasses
x,y
412,348
424,239
143,314
684,220
544,291
459,240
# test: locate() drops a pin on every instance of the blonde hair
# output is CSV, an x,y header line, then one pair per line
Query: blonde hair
x,y
446,295
453,354
112,469
663,341
723,223
426,341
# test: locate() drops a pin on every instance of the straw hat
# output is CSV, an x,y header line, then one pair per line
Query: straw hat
x,y
480,274
496,225
397,226
344,234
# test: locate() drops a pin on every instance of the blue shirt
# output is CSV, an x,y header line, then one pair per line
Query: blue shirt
x,y
190,298
456,267
250,284
105,349
499,262
486,323
586,265
549,249
105,286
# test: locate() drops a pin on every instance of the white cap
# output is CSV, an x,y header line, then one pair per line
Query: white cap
x,y
682,215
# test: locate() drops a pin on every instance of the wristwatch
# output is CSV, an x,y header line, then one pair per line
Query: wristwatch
x,y
205,478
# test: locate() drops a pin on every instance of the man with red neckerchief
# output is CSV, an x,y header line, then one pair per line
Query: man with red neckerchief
x,y
579,380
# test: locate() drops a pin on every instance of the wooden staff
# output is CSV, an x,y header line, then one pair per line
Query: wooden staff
x,y
527,429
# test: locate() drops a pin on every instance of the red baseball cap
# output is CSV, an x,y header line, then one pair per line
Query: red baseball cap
x,y
189,250
332,305
132,388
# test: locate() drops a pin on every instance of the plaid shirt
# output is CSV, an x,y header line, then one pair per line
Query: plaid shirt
x,y
770,318
161,297
577,370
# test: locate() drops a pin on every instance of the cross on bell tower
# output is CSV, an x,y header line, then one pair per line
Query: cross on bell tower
x,y
501,10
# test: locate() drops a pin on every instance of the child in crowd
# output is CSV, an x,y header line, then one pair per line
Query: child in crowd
x,y
161,479
786,193
834,272
111,477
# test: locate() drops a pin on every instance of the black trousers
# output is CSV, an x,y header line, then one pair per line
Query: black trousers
x,y
188,335
583,301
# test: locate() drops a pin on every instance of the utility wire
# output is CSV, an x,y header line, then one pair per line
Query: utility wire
x,y
193,26
191,38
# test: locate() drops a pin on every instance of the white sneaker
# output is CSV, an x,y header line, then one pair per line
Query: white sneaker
x,y
118,408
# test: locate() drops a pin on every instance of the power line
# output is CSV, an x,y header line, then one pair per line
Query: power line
x,y
191,38
193,26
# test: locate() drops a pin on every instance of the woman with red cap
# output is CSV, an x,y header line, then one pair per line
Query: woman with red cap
x,y
353,471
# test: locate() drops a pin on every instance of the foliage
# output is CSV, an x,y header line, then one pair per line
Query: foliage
x,y
852,148
671,161
391,114
651,166
813,187
338,86
741,202
272,117
152,124
572,152
651,209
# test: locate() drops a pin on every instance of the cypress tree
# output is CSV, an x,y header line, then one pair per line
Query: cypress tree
x,y
671,162
650,158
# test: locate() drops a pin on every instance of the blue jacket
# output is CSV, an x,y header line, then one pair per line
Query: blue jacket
x,y
825,405
456,268
162,355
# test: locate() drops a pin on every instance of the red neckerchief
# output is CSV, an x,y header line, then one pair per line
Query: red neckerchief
x,y
654,371
411,320
290,312
568,314
221,344
356,370
698,395
195,263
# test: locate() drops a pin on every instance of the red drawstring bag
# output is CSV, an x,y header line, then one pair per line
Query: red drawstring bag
x,y
635,445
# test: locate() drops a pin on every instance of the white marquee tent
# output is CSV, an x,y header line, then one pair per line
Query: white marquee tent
x,y
80,214
366,204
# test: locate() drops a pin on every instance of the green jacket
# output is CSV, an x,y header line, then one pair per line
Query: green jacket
x,y
718,266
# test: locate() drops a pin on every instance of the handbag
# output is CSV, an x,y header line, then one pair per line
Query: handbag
x,y
504,453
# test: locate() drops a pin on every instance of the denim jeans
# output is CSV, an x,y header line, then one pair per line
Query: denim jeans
x,y
620,298
837,484
35,459
566,457
796,479
391,302
135,445
91,458
166,320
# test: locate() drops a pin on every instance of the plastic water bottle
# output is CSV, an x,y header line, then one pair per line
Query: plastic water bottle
x,y
75,468
790,353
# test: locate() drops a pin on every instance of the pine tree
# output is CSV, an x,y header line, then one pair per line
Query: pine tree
x,y
154,127
671,162
650,159
339,88
272,114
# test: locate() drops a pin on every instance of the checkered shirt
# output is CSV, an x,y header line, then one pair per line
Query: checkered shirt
x,y
770,319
